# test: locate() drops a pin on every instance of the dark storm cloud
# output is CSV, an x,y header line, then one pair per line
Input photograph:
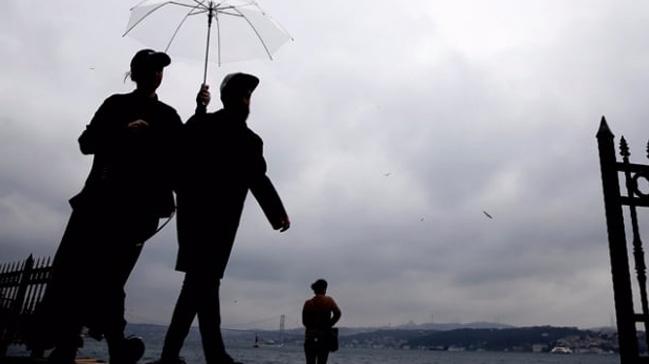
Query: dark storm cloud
x,y
387,133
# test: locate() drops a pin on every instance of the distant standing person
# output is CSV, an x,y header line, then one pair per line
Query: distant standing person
x,y
319,315
133,138
221,160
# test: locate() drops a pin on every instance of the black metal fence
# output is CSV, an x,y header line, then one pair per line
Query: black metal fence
x,y
22,285
617,200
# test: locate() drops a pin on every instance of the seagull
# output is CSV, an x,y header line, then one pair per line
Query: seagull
x,y
422,219
487,214
387,174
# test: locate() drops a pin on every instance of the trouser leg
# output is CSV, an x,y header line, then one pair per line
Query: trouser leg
x,y
209,320
120,254
66,343
199,296
323,354
309,351
115,297
181,320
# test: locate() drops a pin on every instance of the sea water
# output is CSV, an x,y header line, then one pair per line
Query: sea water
x,y
241,348
294,354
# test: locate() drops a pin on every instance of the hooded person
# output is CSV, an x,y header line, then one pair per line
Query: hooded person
x,y
133,138
221,160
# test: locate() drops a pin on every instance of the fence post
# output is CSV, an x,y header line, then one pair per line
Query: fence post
x,y
617,242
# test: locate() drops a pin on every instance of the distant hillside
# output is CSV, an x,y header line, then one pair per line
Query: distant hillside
x,y
540,338
496,339
157,330
453,326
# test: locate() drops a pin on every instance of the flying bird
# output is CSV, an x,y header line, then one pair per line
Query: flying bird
x,y
387,174
487,214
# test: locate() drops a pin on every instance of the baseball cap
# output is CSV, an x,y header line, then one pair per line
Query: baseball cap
x,y
148,59
238,82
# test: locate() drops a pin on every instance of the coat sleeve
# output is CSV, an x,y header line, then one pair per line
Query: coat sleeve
x,y
263,190
97,134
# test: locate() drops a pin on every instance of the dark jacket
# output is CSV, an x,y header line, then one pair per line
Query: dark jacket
x,y
221,160
132,169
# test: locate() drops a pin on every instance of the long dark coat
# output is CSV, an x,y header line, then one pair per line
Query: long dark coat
x,y
221,160
128,189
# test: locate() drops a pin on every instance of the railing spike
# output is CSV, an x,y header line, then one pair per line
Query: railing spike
x,y
624,147
604,130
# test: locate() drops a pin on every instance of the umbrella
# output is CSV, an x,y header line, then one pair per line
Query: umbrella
x,y
243,30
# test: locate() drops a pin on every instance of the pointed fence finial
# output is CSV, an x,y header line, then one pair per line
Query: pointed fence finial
x,y
604,130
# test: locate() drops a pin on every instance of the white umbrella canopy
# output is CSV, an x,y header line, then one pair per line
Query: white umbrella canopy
x,y
236,30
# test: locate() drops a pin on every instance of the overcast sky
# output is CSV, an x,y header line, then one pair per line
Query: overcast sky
x,y
388,129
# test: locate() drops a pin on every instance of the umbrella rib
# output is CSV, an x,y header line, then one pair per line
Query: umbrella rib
x,y
256,32
136,5
145,16
180,25
201,3
231,14
198,4
199,12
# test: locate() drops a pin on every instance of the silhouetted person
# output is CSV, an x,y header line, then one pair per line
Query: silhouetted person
x,y
134,138
319,315
221,160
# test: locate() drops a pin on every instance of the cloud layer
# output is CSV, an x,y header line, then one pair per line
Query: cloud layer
x,y
388,130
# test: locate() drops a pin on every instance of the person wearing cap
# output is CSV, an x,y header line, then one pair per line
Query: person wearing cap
x,y
134,140
222,160
319,315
